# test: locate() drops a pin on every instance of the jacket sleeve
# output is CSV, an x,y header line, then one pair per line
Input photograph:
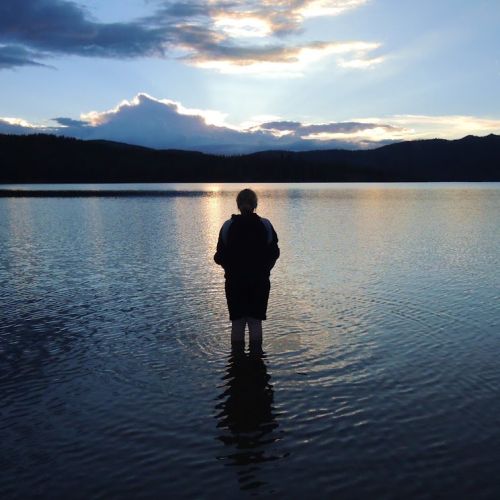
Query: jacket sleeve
x,y
273,250
220,256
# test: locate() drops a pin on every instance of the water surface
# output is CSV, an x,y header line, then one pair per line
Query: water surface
x,y
379,376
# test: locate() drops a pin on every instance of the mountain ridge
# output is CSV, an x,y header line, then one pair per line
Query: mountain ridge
x,y
47,158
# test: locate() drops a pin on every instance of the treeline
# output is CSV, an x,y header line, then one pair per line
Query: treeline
x,y
48,158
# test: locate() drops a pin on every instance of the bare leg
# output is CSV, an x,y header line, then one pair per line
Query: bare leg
x,y
255,330
238,331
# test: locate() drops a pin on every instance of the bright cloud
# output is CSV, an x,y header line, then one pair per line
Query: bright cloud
x,y
96,118
289,60
164,123
18,126
317,8
446,127
243,27
360,63
17,122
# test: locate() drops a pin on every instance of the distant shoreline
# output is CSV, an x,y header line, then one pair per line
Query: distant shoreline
x,y
75,193
171,193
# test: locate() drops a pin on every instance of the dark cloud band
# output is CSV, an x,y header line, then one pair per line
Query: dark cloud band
x,y
14,55
62,27
31,30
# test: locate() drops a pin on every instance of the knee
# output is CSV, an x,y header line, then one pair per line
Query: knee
x,y
238,330
254,321
254,328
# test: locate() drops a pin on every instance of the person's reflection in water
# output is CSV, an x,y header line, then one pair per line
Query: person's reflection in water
x,y
246,416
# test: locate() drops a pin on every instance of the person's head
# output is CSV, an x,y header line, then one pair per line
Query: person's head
x,y
246,201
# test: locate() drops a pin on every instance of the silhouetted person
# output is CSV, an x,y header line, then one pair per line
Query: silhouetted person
x,y
247,250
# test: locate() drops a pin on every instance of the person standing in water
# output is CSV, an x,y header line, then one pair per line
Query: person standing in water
x,y
247,250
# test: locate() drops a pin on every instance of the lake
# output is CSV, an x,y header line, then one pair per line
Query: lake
x,y
380,373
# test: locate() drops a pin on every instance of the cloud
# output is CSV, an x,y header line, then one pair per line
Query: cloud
x,y
17,126
64,27
249,36
69,122
280,59
323,128
230,36
13,55
347,134
256,18
446,127
360,62
159,123
164,123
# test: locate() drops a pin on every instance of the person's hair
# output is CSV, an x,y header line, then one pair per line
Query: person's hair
x,y
246,201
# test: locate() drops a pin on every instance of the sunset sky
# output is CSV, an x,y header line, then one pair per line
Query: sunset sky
x,y
236,76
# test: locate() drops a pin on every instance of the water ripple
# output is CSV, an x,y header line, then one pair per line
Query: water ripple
x,y
378,375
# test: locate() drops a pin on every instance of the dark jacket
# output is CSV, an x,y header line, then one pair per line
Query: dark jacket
x,y
247,249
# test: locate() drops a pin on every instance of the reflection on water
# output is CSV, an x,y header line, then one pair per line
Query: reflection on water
x,y
246,418
380,378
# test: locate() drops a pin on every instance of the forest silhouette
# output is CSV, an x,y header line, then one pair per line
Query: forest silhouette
x,y
48,158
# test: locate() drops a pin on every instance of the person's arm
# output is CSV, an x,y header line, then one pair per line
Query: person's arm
x,y
220,253
273,250
220,256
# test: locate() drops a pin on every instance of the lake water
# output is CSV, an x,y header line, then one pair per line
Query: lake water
x,y
380,375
